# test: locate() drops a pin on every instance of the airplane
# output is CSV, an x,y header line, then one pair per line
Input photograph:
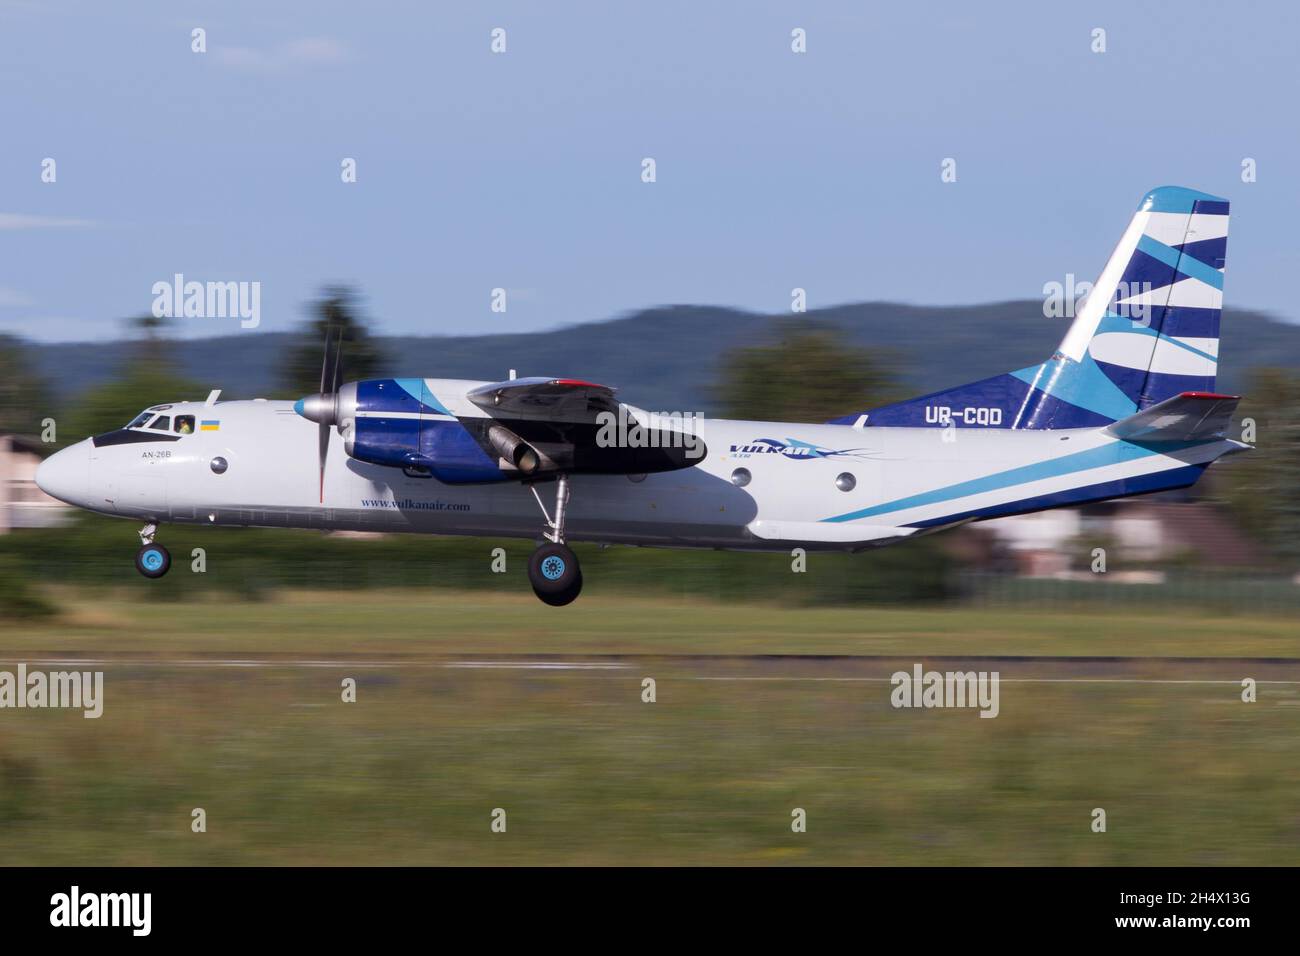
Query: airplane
x,y
1125,406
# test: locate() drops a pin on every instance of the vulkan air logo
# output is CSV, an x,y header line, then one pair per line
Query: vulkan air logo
x,y
790,448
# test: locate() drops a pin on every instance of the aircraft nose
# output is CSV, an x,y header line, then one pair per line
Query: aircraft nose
x,y
66,474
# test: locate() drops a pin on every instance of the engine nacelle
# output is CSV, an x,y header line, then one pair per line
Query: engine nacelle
x,y
398,423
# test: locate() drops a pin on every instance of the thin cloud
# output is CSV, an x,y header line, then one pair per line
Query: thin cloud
x,y
12,221
303,52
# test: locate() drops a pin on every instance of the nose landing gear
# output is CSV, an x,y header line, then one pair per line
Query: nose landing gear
x,y
553,569
152,560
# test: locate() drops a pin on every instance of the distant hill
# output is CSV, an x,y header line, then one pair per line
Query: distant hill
x,y
668,358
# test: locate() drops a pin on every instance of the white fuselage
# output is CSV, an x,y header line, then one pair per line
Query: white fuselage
x,y
903,480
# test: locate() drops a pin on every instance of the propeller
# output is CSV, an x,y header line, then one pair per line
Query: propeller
x,y
322,407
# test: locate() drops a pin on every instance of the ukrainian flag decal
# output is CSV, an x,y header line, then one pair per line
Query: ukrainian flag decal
x,y
209,426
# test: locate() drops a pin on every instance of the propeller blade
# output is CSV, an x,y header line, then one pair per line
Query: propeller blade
x,y
323,430
325,360
338,362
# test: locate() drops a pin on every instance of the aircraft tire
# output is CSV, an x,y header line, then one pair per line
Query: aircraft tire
x,y
153,560
553,569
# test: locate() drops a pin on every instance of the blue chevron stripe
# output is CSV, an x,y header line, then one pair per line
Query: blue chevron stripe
x,y
1183,262
1213,252
416,388
1117,323
1137,485
1112,453
1082,384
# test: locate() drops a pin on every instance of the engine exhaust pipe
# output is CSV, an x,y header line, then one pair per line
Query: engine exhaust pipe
x,y
514,449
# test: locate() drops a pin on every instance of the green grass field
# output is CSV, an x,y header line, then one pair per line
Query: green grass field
x,y
417,621
588,773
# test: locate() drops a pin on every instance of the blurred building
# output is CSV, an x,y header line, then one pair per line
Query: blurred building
x,y
22,504
1037,545
1146,531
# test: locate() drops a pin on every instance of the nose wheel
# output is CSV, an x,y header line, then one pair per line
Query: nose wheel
x,y
553,569
152,560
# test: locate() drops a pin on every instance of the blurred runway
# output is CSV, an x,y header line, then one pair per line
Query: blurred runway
x,y
732,667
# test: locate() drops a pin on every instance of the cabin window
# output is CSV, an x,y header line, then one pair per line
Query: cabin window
x,y
163,423
185,424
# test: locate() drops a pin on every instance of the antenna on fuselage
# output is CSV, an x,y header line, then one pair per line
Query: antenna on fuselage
x,y
212,397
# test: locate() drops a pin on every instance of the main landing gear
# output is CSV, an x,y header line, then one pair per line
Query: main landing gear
x,y
152,560
553,569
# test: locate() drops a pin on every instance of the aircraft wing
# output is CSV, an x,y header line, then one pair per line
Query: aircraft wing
x,y
541,425
565,399
1191,416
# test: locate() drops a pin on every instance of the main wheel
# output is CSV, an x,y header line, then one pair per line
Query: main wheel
x,y
153,560
553,570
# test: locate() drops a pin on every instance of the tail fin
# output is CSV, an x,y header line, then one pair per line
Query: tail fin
x,y
1148,331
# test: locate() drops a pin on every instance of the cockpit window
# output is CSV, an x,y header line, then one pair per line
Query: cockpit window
x,y
140,420
185,424
163,423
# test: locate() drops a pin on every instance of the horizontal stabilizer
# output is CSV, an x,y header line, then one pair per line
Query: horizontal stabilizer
x,y
1191,416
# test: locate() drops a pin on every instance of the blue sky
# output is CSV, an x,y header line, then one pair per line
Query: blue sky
x,y
522,170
